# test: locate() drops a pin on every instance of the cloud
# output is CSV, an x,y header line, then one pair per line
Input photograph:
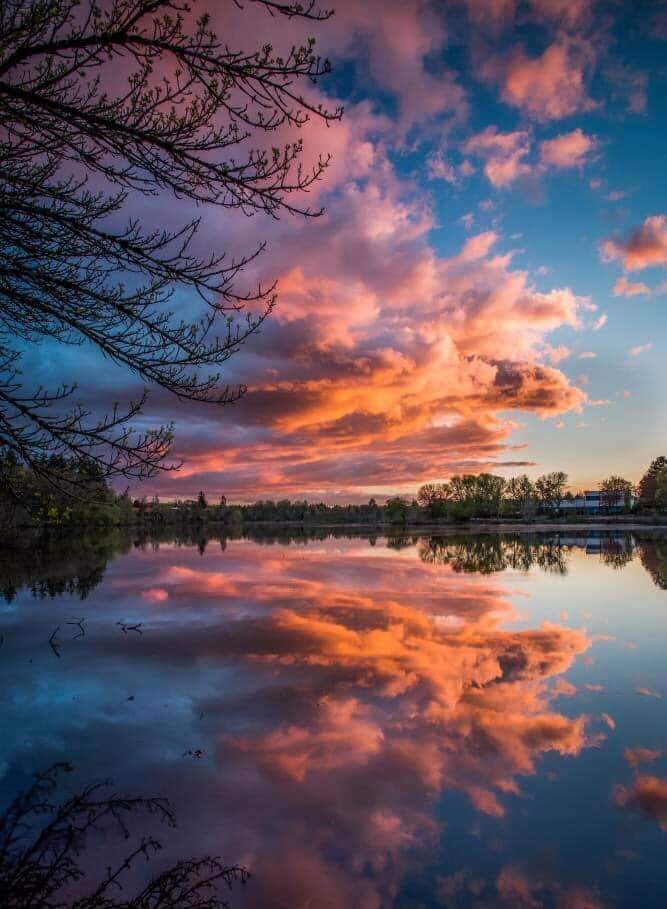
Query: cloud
x,y
628,85
587,355
600,322
514,888
384,361
567,150
493,15
646,246
636,351
393,43
648,692
438,168
551,86
625,288
503,153
637,756
647,794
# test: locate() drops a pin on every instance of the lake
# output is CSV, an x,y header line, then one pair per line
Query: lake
x,y
362,721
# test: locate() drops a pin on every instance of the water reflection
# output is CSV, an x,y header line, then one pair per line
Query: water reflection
x,y
361,725
51,565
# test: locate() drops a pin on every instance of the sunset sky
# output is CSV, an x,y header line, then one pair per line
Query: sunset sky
x,y
487,289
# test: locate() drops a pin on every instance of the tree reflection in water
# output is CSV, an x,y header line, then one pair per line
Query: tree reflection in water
x,y
52,564
42,843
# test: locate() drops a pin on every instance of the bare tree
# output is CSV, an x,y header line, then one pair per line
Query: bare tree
x,y
102,102
41,842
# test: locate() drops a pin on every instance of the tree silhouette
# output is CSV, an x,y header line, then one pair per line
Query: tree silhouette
x,y
103,102
41,843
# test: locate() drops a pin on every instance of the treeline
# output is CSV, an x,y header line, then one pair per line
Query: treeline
x,y
29,497
82,498
485,495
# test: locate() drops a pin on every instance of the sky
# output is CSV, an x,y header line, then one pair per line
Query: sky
x,y
487,287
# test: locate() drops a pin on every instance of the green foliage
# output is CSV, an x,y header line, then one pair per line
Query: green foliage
x,y
396,510
648,485
661,490
520,497
550,490
614,490
479,495
434,497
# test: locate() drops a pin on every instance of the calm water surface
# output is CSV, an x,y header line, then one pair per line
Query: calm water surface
x,y
417,721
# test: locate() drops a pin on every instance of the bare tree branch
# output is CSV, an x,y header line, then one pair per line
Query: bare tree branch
x,y
41,841
100,101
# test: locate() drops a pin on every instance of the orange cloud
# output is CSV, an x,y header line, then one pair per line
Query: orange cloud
x,y
358,691
430,690
637,756
647,794
646,246
387,362
625,288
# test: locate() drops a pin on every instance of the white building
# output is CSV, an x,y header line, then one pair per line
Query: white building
x,y
591,503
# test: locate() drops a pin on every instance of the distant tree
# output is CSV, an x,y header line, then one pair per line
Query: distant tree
x,y
102,101
646,490
661,489
475,495
520,495
201,500
433,497
488,494
550,489
396,510
223,501
615,489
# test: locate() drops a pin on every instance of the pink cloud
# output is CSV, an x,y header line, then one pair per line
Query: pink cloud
x,y
440,169
494,14
625,288
646,246
567,150
155,594
385,360
553,85
636,351
395,42
503,154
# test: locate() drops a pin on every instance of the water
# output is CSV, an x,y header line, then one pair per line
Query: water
x,y
413,721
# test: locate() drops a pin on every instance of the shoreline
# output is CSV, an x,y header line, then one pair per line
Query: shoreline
x,y
476,526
